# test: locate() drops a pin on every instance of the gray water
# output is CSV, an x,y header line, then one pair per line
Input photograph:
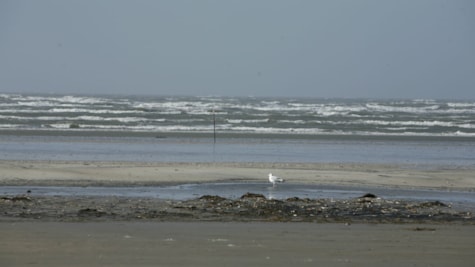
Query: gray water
x,y
313,116
236,190
437,153
147,129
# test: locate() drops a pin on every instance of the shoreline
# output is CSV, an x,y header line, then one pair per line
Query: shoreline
x,y
370,209
229,135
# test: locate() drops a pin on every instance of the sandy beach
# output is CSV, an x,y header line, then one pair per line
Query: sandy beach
x,y
234,244
130,173
110,231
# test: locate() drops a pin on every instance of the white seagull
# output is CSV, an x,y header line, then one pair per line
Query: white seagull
x,y
274,179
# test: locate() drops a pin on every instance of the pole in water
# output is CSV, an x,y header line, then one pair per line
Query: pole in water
x,y
214,126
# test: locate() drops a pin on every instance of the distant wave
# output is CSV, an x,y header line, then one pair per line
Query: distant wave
x,y
418,117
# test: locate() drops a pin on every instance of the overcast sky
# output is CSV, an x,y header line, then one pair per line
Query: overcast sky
x,y
376,49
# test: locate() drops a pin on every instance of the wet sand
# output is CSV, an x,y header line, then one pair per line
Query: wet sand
x,y
234,244
138,173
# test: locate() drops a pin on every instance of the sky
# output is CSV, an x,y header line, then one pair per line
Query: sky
x,y
275,48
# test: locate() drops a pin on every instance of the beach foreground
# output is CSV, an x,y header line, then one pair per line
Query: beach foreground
x,y
234,244
215,231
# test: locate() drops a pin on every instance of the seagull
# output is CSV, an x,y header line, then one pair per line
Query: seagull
x,y
274,179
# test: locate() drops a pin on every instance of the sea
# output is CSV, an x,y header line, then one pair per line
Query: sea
x,y
418,132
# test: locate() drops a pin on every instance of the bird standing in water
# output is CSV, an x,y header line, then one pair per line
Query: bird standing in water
x,y
274,179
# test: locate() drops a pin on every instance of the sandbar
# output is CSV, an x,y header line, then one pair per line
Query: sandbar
x,y
130,173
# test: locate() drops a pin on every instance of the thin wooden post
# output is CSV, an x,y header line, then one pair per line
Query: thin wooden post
x,y
214,126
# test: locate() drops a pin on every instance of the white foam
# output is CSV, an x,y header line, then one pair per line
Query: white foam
x,y
93,111
461,104
293,121
404,109
239,121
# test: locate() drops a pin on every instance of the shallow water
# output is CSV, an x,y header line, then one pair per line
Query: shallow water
x,y
236,190
448,153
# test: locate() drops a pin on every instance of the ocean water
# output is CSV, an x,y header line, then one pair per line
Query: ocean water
x,y
239,115
181,129
418,153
